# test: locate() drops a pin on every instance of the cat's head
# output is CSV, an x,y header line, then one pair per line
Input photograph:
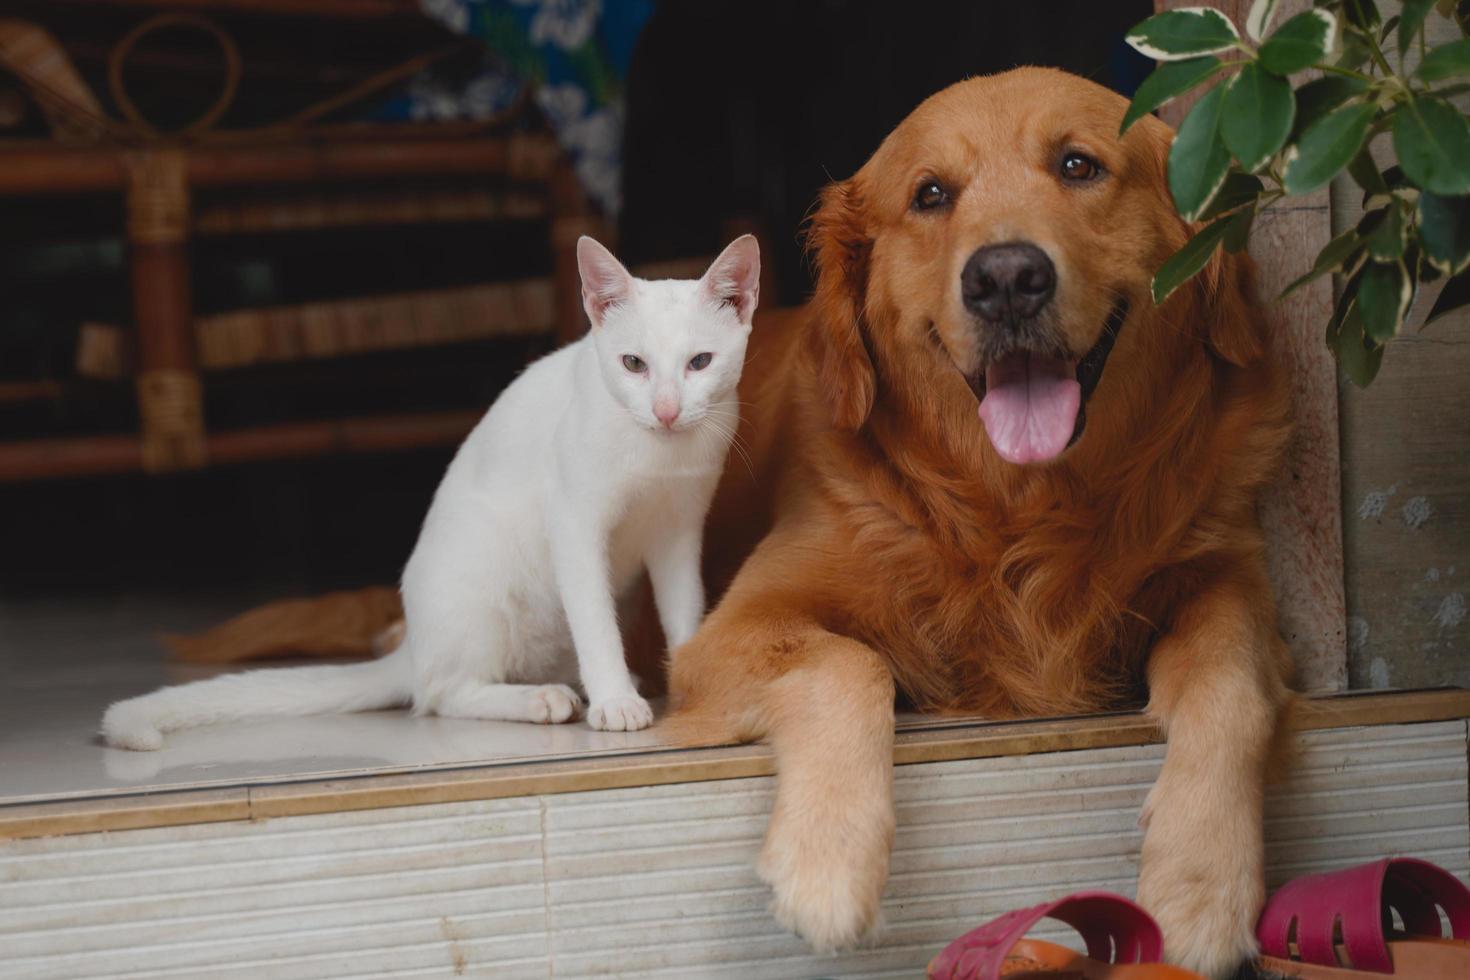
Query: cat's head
x,y
671,350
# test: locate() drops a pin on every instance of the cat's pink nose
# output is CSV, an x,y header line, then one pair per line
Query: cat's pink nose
x,y
666,413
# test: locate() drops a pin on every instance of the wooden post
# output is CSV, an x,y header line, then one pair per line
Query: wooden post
x,y
571,217
170,395
1301,513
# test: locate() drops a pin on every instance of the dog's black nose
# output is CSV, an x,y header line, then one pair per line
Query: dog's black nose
x,y
1008,282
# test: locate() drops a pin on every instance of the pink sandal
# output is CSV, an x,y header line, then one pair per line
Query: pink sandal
x,y
1339,925
1123,943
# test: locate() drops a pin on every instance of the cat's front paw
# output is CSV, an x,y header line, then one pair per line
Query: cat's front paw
x,y
553,704
624,713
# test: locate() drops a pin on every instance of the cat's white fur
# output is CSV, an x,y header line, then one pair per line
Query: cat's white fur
x,y
589,468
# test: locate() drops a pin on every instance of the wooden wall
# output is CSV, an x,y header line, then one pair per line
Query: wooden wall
x,y
1406,491
1401,519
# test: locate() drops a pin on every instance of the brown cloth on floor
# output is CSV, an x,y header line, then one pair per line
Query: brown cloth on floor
x,y
340,624
369,623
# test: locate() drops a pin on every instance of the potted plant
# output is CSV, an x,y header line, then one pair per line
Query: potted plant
x,y
1255,138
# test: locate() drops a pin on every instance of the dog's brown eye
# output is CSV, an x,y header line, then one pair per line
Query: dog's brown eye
x,y
1075,166
929,196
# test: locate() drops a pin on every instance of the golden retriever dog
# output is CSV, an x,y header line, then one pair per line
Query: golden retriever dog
x,y
984,472
989,475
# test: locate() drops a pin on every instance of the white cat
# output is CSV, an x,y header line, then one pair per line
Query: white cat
x,y
598,461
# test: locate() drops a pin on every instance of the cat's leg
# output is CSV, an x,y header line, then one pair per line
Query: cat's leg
x,y
579,555
542,704
673,567
467,643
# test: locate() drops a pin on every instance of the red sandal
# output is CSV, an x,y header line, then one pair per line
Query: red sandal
x,y
1339,925
1123,943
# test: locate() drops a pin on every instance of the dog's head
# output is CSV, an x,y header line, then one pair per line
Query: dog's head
x,y
1005,230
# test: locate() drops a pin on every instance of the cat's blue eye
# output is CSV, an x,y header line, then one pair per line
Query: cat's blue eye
x,y
634,363
700,361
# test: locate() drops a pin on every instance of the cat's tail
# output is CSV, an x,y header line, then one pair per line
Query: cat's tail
x,y
140,723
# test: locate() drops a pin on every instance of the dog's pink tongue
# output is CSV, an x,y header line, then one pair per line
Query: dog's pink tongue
x,y
1030,406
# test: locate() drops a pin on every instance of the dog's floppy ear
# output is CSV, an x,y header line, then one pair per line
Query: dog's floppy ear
x,y
838,242
1235,321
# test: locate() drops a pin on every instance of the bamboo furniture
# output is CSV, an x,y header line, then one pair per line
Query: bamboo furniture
x,y
159,176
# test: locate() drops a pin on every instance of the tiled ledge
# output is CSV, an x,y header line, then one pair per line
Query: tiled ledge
x,y
937,741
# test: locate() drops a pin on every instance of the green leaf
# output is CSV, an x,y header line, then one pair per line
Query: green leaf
x,y
1326,147
1238,230
1356,49
1259,18
1411,21
1346,297
1387,28
1185,33
1384,293
1444,231
1183,264
1198,160
1386,238
1432,140
1299,43
1169,80
1334,255
1366,173
1255,118
1238,189
1362,13
1446,61
1320,96
1424,270
1358,356
1395,179
1454,296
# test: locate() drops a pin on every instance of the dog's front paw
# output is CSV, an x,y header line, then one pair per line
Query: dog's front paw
x,y
625,713
1207,931
823,889
1204,885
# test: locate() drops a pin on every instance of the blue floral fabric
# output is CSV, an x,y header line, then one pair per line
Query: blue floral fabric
x,y
575,52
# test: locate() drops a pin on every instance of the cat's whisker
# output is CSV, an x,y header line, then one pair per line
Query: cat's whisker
x,y
725,432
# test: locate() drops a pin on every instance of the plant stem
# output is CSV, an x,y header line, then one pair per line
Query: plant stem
x,y
1377,53
1348,72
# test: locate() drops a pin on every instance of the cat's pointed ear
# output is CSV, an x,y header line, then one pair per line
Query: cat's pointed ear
x,y
735,277
605,283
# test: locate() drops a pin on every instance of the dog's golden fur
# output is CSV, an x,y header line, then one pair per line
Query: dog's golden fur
x,y
897,552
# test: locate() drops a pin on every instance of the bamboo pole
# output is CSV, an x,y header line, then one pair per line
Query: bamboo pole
x,y
106,455
45,168
170,394
572,217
